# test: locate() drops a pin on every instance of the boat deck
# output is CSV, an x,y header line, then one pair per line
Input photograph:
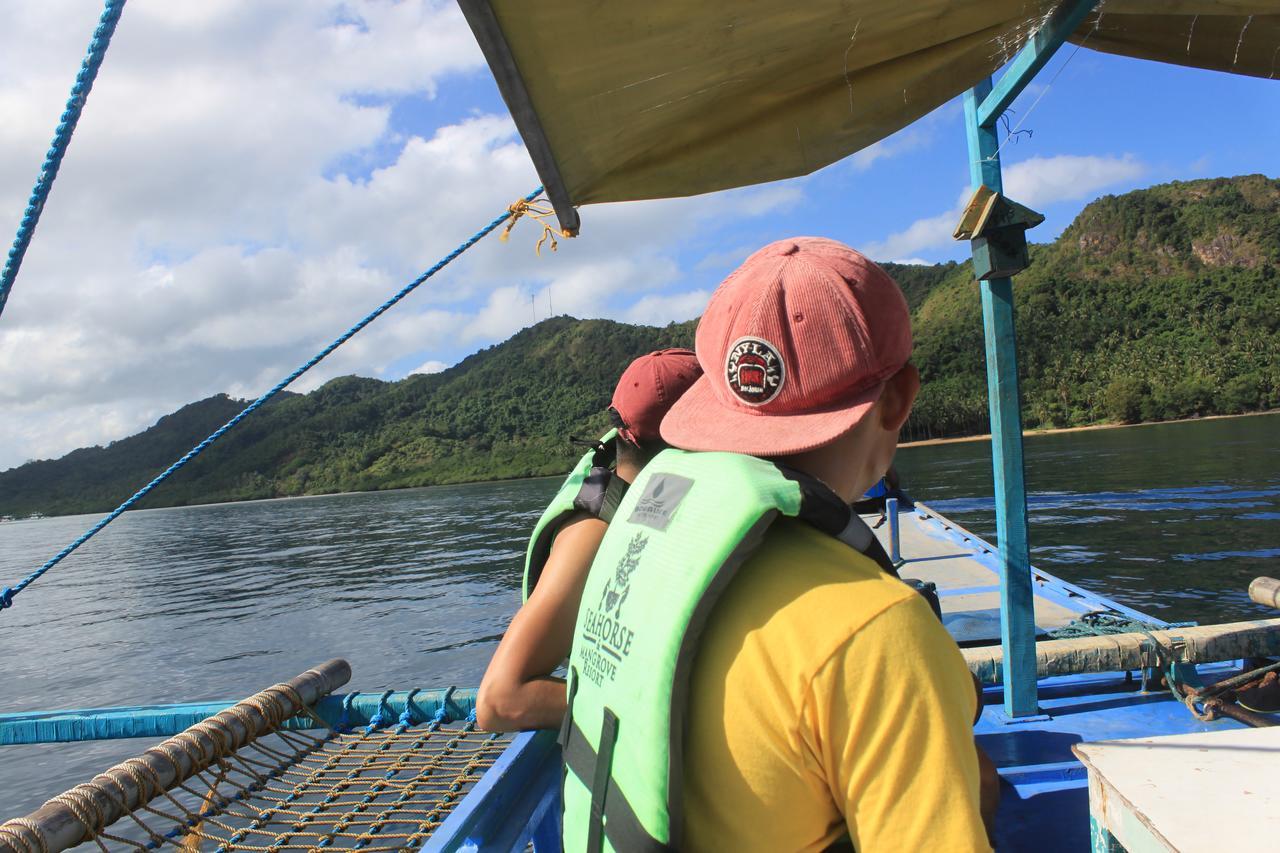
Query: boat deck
x,y
1044,806
967,574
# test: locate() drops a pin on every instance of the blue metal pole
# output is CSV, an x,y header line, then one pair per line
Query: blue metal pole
x,y
895,533
1017,598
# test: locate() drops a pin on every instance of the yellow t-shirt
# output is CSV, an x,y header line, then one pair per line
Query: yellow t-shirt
x,y
826,698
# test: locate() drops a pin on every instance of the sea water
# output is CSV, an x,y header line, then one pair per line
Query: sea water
x,y
415,587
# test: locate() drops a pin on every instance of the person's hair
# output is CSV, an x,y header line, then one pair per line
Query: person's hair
x,y
630,453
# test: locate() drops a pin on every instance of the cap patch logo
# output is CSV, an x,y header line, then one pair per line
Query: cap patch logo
x,y
755,371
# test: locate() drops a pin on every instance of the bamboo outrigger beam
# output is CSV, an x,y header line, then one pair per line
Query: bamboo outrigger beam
x,y
1121,652
55,825
1265,591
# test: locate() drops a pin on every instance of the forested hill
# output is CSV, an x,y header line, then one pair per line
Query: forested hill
x,y
1158,304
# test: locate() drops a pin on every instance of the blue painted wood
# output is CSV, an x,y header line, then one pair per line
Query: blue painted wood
x,y
1017,598
1045,805
516,801
895,532
167,720
1032,57
984,148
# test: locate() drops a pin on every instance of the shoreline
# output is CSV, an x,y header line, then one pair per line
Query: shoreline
x,y
1031,433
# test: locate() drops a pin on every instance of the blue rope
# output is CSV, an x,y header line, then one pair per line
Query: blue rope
x,y
7,594
382,716
61,139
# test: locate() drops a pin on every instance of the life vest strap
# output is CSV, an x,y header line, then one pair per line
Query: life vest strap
x,y
621,825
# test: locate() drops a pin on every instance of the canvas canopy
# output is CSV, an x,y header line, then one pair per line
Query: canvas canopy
x,y
622,101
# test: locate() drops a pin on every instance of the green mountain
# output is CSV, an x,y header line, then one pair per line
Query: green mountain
x,y
506,411
1157,304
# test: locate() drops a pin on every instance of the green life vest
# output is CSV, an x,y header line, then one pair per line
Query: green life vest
x,y
674,545
590,488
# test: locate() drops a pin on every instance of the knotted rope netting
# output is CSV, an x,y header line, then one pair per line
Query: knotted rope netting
x,y
246,779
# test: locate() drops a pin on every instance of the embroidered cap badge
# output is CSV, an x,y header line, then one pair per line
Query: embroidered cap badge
x,y
754,371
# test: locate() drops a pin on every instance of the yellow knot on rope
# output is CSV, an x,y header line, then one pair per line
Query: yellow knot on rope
x,y
540,210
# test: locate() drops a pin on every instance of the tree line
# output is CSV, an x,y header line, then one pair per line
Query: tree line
x,y
1158,304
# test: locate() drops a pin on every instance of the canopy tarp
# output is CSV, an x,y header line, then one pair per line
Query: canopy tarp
x,y
621,101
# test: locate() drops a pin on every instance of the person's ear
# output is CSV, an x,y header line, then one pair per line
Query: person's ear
x,y
898,396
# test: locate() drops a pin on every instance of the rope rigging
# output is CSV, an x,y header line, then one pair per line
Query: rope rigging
x,y
1206,702
61,139
7,594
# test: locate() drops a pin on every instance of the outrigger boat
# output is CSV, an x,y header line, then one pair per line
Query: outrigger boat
x,y
617,102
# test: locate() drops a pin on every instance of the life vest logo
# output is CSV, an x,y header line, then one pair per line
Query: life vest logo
x,y
657,504
606,639
755,371
617,588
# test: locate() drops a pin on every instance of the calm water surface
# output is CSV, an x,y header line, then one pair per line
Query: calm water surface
x,y
415,587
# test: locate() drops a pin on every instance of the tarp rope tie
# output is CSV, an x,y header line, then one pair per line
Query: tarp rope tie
x,y
7,594
536,208
61,139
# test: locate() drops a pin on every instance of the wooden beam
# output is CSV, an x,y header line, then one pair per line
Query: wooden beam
x,y
1043,43
171,762
1121,652
1017,597
1265,591
497,52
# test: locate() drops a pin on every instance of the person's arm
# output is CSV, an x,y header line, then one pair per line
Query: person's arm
x,y
518,691
888,723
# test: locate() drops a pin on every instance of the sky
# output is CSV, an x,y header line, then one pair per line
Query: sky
x,y
250,177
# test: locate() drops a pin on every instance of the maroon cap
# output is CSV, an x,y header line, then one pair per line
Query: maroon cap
x,y
648,388
796,345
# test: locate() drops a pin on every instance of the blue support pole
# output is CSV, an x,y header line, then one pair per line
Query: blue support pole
x,y
1017,598
1031,58
895,532
983,106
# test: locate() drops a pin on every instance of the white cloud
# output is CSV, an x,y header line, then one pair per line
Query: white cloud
x,y
1037,182
217,219
1042,181
432,366
908,139
927,233
914,136
660,309
915,262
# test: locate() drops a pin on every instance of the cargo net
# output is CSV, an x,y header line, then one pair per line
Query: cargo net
x,y
377,788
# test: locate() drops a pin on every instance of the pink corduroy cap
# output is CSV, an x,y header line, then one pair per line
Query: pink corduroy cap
x,y
795,348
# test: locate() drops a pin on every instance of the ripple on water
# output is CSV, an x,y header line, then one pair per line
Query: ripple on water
x,y
415,587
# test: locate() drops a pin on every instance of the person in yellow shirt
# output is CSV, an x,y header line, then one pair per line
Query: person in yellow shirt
x,y
826,699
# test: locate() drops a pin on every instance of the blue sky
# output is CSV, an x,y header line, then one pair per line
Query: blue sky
x,y
251,176
1156,122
